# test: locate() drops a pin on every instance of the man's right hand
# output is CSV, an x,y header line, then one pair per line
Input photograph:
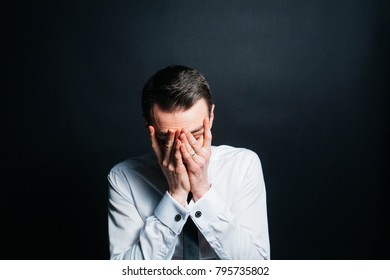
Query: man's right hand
x,y
171,162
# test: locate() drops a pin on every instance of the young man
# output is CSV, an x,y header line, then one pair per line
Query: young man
x,y
187,199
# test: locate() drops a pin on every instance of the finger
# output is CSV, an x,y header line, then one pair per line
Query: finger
x,y
207,133
192,144
168,145
186,156
155,145
187,145
177,154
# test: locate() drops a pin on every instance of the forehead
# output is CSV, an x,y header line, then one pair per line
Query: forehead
x,y
190,119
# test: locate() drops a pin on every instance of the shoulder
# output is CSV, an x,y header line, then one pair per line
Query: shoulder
x,y
134,165
225,152
228,157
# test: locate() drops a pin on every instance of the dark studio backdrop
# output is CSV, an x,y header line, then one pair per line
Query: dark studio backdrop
x,y
302,83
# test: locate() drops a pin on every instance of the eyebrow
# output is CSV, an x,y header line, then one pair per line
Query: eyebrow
x,y
192,132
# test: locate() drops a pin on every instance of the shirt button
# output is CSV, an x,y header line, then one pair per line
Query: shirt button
x,y
198,214
177,217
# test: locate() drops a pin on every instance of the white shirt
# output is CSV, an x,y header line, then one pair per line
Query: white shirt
x,y
145,222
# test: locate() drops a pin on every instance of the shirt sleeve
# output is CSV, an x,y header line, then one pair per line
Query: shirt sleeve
x,y
241,231
132,237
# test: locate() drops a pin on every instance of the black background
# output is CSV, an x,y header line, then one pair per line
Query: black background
x,y
302,83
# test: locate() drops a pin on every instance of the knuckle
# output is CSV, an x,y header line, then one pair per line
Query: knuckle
x,y
177,170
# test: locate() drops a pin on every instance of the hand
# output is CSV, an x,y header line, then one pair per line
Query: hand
x,y
197,159
171,162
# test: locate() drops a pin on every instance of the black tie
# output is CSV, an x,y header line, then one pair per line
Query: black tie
x,y
190,238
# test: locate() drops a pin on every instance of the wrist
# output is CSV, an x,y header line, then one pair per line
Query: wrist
x,y
199,192
179,196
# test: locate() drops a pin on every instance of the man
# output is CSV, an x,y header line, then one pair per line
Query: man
x,y
186,182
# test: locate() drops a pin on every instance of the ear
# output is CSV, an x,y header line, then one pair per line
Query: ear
x,y
211,117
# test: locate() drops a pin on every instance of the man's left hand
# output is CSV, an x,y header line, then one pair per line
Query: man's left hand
x,y
197,159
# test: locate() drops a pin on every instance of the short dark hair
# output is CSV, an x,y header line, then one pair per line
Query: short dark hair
x,y
175,87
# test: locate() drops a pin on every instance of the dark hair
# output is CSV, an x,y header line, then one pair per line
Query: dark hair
x,y
173,88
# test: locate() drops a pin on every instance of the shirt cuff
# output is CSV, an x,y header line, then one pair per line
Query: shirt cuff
x,y
207,209
171,213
